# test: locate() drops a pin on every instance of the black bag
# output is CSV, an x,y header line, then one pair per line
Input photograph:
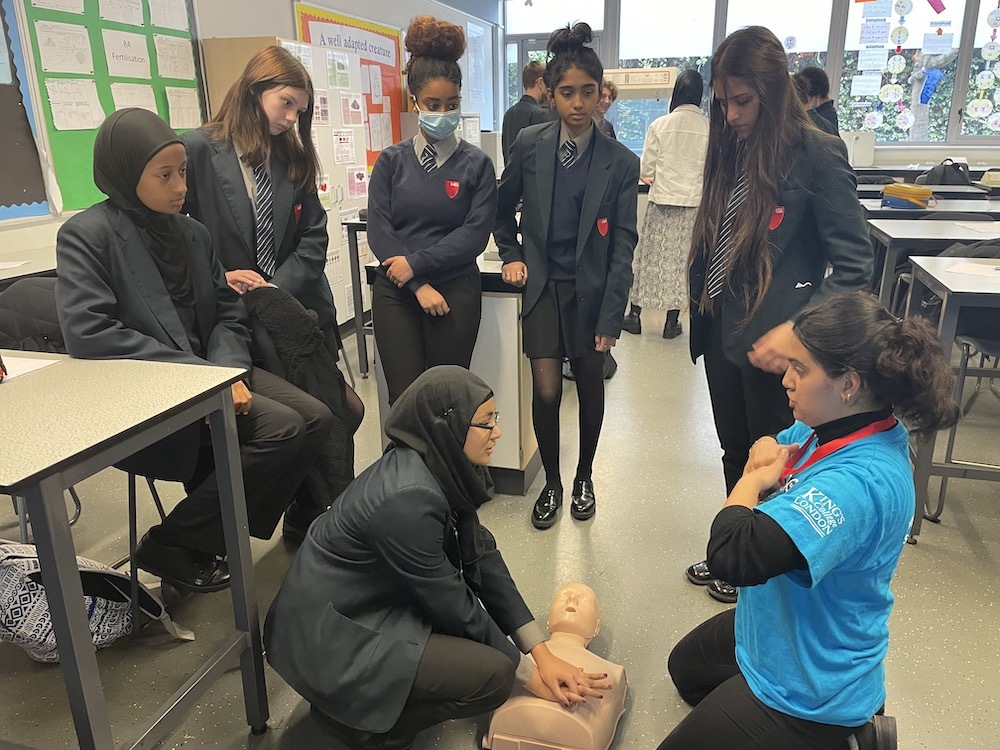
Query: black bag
x,y
948,172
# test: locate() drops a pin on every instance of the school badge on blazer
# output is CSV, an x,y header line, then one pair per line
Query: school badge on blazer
x,y
602,226
298,212
451,188
777,216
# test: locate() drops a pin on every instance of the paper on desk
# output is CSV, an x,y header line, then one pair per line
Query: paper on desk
x,y
988,227
13,264
23,365
977,269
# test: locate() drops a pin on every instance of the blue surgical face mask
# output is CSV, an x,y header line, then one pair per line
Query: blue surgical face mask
x,y
439,125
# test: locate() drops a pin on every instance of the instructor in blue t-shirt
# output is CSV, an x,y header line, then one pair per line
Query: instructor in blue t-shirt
x,y
812,533
432,200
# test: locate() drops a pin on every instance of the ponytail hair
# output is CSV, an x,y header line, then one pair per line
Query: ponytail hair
x,y
900,362
435,47
567,49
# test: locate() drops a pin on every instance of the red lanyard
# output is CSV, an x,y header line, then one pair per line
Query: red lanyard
x,y
827,448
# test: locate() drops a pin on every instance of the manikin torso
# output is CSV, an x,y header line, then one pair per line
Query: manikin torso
x,y
525,722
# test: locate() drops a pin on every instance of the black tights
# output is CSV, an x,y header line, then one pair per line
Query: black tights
x,y
546,378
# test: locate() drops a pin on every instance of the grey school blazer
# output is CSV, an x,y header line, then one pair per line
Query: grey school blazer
x,y
376,574
607,234
113,304
217,197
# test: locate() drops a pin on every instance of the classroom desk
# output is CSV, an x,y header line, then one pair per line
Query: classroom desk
x,y
957,291
894,239
947,192
911,172
875,210
40,263
68,421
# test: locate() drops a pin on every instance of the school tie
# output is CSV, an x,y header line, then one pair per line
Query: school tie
x,y
429,158
568,153
265,221
716,280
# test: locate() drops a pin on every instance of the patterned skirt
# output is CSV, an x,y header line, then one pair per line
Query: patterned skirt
x,y
660,262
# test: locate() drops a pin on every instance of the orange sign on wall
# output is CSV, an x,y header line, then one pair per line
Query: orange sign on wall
x,y
379,48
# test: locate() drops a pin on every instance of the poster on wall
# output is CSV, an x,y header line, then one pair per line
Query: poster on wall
x,y
378,46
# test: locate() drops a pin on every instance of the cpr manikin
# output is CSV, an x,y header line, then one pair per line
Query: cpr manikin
x,y
525,722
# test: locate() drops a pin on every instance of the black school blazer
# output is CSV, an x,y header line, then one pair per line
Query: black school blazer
x,y
607,233
821,225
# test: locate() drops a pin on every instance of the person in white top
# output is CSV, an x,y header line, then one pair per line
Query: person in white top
x,y
673,163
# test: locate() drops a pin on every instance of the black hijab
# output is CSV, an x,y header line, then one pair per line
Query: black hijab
x,y
125,143
432,417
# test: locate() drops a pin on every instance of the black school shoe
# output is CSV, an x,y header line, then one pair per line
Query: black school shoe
x,y
877,734
298,519
357,739
723,592
584,503
182,567
632,324
546,510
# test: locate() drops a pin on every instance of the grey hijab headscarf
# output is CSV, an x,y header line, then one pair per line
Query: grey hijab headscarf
x,y
432,417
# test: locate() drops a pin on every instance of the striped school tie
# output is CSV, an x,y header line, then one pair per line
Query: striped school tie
x,y
429,158
568,154
264,209
716,280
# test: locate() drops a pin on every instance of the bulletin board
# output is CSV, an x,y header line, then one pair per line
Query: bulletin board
x,y
92,57
22,189
379,48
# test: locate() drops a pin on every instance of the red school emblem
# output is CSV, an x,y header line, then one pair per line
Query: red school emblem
x,y
451,187
777,216
602,226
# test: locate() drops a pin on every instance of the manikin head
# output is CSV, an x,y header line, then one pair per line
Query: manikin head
x,y
575,611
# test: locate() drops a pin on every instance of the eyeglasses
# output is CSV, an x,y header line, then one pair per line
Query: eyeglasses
x,y
488,426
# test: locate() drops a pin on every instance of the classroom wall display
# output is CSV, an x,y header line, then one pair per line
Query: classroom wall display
x,y
22,189
380,100
92,57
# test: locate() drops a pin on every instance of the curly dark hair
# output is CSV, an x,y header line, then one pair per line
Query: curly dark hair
x,y
900,362
435,47
567,49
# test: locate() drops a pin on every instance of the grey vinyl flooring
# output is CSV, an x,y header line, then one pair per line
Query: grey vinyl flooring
x,y
659,482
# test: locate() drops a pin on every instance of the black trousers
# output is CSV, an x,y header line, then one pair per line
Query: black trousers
x,y
747,404
456,678
279,441
411,341
727,715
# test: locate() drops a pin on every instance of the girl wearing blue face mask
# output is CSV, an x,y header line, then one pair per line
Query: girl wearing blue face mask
x,y
431,206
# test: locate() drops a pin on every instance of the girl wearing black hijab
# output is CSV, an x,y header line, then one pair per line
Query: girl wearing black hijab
x,y
399,612
137,281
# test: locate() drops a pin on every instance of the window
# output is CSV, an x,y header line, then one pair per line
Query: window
x,y
802,27
513,75
544,16
981,111
671,33
900,63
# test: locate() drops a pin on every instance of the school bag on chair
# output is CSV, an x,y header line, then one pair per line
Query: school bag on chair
x,y
25,619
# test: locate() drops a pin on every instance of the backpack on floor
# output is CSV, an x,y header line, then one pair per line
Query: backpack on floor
x,y
25,619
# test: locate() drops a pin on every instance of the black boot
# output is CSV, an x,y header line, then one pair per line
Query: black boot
x,y
631,323
672,328
877,734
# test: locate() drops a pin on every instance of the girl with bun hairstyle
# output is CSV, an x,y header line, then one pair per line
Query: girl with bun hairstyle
x,y
813,531
431,205
572,255
251,181
778,210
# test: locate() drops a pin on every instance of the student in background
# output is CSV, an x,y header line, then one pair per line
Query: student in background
x,y
673,165
609,95
802,89
137,281
252,182
529,110
572,254
779,207
431,205
818,90
813,531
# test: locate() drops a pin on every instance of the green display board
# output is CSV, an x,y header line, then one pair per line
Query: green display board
x,y
87,52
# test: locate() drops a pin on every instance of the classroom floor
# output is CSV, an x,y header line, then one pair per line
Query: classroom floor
x,y
659,483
